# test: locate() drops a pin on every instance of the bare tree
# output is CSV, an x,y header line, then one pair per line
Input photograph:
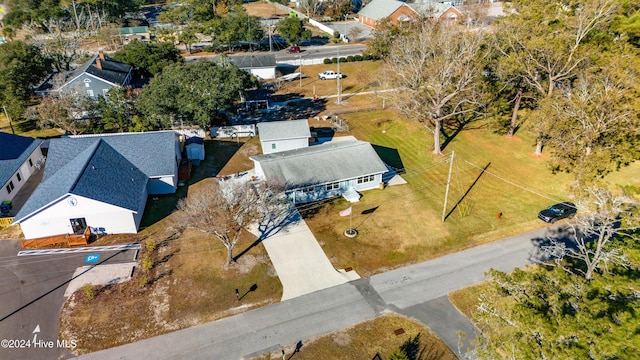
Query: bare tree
x,y
435,70
227,208
595,234
72,113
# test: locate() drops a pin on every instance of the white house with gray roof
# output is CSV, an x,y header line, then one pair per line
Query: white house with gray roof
x,y
101,182
19,156
337,168
280,136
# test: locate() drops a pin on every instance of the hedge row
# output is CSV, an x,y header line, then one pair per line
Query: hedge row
x,y
349,59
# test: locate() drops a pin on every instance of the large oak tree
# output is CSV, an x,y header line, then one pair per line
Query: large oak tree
x,y
435,71
191,93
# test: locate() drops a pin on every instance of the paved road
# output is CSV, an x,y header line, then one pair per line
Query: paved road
x,y
31,295
415,290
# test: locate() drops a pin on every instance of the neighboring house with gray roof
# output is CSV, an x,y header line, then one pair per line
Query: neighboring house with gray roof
x,y
92,79
280,136
19,156
100,181
262,66
337,168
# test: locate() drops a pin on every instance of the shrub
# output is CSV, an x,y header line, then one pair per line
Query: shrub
x,y
327,61
334,60
87,289
147,263
358,58
343,59
151,245
350,58
144,280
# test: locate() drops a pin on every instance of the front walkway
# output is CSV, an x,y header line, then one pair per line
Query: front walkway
x,y
300,262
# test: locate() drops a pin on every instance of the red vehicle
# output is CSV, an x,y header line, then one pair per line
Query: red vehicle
x,y
293,50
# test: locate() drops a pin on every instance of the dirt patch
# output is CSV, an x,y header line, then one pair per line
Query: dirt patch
x,y
12,232
264,10
180,281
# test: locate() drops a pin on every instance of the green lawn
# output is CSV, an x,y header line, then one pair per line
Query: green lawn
x,y
406,226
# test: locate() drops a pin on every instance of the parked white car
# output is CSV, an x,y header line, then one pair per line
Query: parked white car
x,y
329,75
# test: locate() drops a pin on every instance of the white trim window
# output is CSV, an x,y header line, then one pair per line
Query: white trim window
x,y
366,179
333,186
90,93
308,189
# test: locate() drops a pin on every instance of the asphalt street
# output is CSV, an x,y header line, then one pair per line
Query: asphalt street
x,y
31,296
418,291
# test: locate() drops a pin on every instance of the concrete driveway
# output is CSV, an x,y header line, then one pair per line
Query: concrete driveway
x,y
300,262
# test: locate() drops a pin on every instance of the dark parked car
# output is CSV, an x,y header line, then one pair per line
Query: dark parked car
x,y
557,212
293,50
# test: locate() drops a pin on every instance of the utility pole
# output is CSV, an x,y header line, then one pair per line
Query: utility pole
x,y
8,119
300,57
446,193
339,76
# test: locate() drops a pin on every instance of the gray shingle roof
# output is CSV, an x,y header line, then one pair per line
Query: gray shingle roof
x,y
320,164
253,61
14,150
379,9
112,70
98,172
280,130
151,152
430,8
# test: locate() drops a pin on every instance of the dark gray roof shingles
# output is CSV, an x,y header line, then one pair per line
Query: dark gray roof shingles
x,y
14,151
98,166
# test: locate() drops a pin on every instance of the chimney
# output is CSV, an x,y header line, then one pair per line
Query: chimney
x,y
101,54
99,64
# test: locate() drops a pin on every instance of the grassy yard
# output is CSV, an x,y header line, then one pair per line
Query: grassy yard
x,y
187,284
364,340
406,226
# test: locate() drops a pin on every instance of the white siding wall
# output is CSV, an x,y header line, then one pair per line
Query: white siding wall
x,y
283,145
377,179
264,73
55,219
25,172
162,185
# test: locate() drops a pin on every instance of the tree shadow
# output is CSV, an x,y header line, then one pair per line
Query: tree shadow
x,y
468,191
279,218
543,253
414,350
217,154
457,126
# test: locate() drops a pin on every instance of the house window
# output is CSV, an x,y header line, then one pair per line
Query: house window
x,y
90,93
10,187
365,179
333,186
78,225
105,91
86,82
308,189
30,163
273,146
18,176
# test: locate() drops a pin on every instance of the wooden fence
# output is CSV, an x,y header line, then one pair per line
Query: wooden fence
x,y
65,240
